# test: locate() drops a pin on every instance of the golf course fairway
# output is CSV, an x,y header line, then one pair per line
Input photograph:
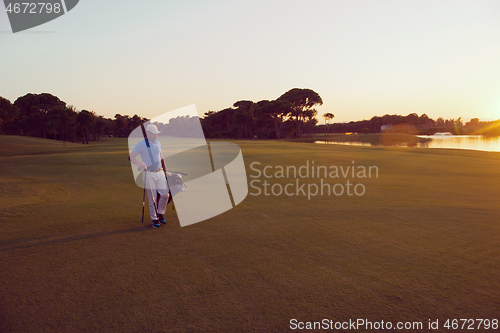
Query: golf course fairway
x,y
420,244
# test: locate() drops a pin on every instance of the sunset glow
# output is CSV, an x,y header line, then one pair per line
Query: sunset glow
x,y
364,58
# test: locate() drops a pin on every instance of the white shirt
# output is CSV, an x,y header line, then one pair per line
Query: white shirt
x,y
155,148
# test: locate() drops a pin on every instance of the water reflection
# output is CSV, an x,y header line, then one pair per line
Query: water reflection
x,y
474,142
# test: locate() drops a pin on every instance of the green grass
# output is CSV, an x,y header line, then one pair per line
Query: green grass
x,y
422,243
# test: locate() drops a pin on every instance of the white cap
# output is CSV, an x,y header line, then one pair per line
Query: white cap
x,y
153,129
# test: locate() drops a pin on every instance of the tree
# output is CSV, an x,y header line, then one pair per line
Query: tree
x,y
303,101
226,118
8,112
412,118
33,112
99,127
219,124
135,122
209,125
458,126
280,112
328,116
121,125
265,119
473,125
62,117
440,123
310,124
85,119
244,117
310,121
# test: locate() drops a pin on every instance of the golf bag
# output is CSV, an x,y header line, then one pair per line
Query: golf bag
x,y
175,185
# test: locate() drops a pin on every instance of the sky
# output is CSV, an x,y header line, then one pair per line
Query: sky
x,y
364,58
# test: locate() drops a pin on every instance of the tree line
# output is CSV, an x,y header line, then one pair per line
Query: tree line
x,y
290,115
46,116
414,124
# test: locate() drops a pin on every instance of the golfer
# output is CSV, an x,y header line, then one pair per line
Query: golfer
x,y
153,173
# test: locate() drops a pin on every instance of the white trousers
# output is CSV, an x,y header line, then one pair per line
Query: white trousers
x,y
156,182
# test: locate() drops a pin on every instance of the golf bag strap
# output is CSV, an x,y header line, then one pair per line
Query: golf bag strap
x,y
163,165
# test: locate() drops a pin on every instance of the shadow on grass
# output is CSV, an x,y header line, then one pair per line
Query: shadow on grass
x,y
25,243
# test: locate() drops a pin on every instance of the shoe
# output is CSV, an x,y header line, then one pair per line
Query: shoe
x,y
156,224
161,219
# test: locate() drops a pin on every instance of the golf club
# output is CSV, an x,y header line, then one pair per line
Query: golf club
x,y
152,160
143,202
180,173
152,193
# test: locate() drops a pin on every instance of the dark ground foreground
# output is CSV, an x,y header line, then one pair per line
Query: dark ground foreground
x,y
421,243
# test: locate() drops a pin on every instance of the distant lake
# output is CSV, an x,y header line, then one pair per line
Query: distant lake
x,y
474,142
